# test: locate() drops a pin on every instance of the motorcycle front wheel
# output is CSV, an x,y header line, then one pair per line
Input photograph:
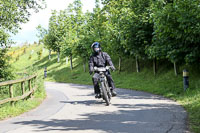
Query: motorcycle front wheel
x,y
105,95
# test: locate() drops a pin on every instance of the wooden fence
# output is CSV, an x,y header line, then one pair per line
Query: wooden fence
x,y
24,95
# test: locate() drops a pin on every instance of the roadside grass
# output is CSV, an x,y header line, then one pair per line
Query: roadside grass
x,y
165,83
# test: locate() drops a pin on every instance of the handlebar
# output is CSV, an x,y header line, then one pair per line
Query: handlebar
x,y
102,69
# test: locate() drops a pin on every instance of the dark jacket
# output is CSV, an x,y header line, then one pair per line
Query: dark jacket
x,y
100,60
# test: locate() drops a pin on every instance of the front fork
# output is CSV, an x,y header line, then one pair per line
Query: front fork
x,y
104,80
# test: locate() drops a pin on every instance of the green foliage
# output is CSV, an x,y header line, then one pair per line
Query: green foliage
x,y
143,28
12,14
15,12
176,27
24,51
39,53
42,32
30,56
5,72
17,58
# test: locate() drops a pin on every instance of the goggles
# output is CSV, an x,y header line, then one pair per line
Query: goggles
x,y
96,49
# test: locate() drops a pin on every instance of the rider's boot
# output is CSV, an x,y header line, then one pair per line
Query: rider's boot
x,y
98,95
113,93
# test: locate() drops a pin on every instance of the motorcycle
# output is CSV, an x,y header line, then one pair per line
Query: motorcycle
x,y
103,84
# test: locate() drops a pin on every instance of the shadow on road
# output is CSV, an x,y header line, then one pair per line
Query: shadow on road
x,y
134,117
141,118
86,102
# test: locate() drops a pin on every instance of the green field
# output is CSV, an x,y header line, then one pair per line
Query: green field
x,y
165,83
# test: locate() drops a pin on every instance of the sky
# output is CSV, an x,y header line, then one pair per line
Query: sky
x,y
28,32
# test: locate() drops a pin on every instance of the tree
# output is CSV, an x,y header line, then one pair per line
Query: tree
x,y
55,31
176,25
15,12
5,72
42,32
116,28
141,27
69,37
12,14
130,27
83,50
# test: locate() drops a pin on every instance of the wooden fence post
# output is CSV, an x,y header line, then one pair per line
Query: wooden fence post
x,y
34,83
30,88
11,93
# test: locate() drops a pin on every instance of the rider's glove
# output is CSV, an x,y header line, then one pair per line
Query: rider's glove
x,y
91,71
113,68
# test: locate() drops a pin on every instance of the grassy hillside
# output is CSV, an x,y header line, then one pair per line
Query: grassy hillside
x,y
19,61
164,83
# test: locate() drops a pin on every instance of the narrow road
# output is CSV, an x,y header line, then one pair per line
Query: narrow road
x,y
73,108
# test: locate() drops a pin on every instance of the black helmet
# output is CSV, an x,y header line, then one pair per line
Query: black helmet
x,y
96,47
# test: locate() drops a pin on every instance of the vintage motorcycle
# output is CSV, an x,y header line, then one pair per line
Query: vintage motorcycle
x,y
103,84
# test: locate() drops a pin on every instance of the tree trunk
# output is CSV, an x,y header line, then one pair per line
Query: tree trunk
x,y
137,65
120,59
84,65
154,66
58,56
49,54
66,60
175,69
71,63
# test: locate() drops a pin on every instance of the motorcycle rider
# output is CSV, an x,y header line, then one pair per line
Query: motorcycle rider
x,y
100,59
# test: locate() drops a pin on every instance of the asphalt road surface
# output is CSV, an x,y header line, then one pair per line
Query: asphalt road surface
x,y
72,108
